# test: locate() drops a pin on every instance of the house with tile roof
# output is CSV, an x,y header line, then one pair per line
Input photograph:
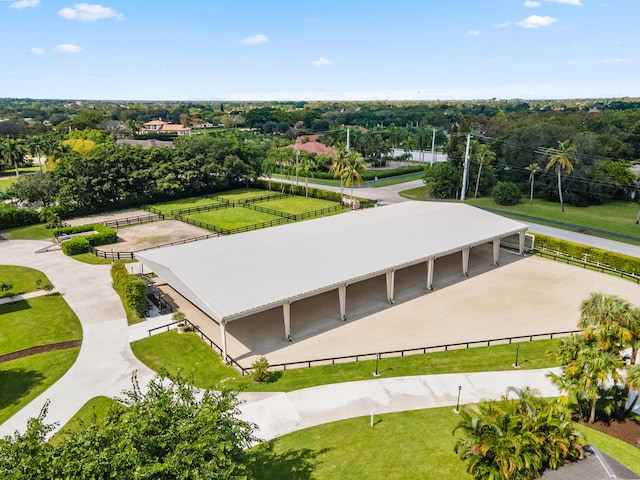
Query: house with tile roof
x,y
160,126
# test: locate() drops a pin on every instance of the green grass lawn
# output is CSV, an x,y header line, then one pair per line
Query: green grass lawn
x,y
244,193
167,350
231,218
296,205
395,181
24,379
30,232
95,409
167,207
407,445
5,183
23,279
404,445
37,321
615,217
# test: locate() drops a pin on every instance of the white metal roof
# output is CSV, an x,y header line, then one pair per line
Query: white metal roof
x,y
232,277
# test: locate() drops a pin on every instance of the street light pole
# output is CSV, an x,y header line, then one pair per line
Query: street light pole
x,y
457,410
377,372
517,351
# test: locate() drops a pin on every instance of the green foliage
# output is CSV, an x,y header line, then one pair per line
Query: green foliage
x,y
75,246
613,260
132,290
12,216
260,369
506,193
441,180
103,236
169,431
517,438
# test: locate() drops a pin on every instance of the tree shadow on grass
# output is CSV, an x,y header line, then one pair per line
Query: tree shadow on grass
x,y
16,383
265,463
17,304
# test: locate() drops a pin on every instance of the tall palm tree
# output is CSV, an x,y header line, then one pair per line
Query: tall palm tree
x,y
533,168
351,171
13,151
633,383
268,166
338,164
36,146
306,166
409,145
562,160
483,153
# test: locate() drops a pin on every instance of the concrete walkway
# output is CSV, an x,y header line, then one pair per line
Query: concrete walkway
x,y
105,362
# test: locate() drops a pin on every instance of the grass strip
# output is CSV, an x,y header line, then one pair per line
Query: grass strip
x,y
189,354
23,279
37,321
24,379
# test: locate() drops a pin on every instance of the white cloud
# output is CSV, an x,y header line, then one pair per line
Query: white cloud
x,y
37,51
255,39
532,4
84,12
68,48
576,3
536,21
25,4
473,33
617,60
501,25
321,62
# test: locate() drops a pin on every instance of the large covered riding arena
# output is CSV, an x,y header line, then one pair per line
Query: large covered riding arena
x,y
233,278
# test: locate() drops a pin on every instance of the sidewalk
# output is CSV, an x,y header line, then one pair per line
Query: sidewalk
x,y
277,414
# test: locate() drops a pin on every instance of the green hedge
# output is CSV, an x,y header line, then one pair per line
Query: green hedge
x,y
12,216
132,290
315,193
104,235
614,260
75,246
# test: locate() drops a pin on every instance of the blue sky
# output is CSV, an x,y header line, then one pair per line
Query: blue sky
x,y
319,50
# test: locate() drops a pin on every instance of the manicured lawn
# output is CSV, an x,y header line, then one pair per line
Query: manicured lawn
x,y
23,279
37,321
91,259
167,207
404,445
231,218
187,353
296,205
395,181
418,193
96,408
5,183
24,379
31,232
244,193
169,349
616,217
407,445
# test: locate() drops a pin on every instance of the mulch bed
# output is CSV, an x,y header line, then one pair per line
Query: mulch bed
x,y
626,430
40,349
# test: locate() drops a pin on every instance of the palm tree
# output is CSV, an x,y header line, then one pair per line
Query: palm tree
x,y
409,145
561,161
268,166
36,146
306,166
483,153
633,383
338,164
607,320
351,171
533,168
13,151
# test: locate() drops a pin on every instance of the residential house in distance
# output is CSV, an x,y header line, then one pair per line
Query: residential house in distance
x,y
309,143
160,126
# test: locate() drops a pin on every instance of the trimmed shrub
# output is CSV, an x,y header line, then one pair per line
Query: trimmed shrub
x,y
617,261
260,370
75,246
132,290
506,193
103,236
12,216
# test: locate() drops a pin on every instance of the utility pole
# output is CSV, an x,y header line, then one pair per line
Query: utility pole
x,y
465,172
347,149
433,146
297,158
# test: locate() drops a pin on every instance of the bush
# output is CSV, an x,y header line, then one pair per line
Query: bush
x,y
75,246
132,290
260,370
506,193
103,236
12,216
617,261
